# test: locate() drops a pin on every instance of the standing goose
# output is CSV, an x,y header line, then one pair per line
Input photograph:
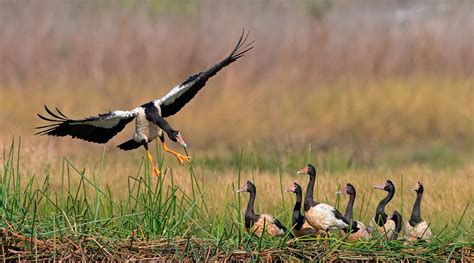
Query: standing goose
x,y
357,230
255,223
382,223
300,226
416,228
320,216
149,117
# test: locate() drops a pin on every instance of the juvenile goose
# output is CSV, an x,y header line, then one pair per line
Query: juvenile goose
x,y
382,223
416,228
320,216
255,223
300,226
357,230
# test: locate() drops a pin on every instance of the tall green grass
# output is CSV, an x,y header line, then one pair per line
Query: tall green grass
x,y
83,220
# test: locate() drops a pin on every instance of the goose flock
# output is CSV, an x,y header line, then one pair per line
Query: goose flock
x,y
319,218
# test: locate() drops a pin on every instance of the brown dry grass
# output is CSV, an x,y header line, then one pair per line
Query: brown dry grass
x,y
402,78
446,195
404,112
327,75
296,42
447,190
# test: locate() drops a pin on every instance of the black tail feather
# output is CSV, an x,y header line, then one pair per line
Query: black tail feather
x,y
129,145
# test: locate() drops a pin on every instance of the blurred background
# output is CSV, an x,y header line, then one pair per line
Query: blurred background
x,y
347,84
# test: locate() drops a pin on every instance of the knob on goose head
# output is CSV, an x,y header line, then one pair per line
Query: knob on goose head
x,y
418,188
387,186
348,189
247,187
308,169
294,188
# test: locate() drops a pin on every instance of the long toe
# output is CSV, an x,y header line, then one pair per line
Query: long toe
x,y
156,171
182,158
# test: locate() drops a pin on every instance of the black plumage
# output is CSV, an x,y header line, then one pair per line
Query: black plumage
x,y
80,129
199,80
259,223
383,223
319,215
101,128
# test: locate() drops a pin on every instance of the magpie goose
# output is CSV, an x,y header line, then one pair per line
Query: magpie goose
x,y
149,118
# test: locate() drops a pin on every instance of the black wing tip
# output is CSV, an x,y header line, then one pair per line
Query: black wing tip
x,y
59,116
197,81
60,113
61,126
242,47
47,119
62,117
56,119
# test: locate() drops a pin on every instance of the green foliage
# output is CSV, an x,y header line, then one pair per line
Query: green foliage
x,y
83,220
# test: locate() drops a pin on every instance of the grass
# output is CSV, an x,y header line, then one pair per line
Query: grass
x,y
185,215
378,122
365,98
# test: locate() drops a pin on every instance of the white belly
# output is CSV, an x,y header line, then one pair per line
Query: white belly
x,y
419,231
144,129
361,234
141,127
266,222
153,131
386,230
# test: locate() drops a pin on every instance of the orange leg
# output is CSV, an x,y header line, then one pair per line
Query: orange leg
x,y
181,158
155,170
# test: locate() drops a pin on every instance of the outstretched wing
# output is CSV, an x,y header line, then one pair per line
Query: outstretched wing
x,y
98,129
183,93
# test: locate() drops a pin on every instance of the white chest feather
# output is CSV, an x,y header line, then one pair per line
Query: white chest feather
x,y
141,127
153,131
144,129
419,231
266,222
361,234
322,216
387,229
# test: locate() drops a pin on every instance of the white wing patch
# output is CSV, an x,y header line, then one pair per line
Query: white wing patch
x,y
99,129
173,94
321,216
108,120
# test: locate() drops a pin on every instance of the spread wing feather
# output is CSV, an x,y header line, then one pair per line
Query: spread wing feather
x,y
98,129
172,102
